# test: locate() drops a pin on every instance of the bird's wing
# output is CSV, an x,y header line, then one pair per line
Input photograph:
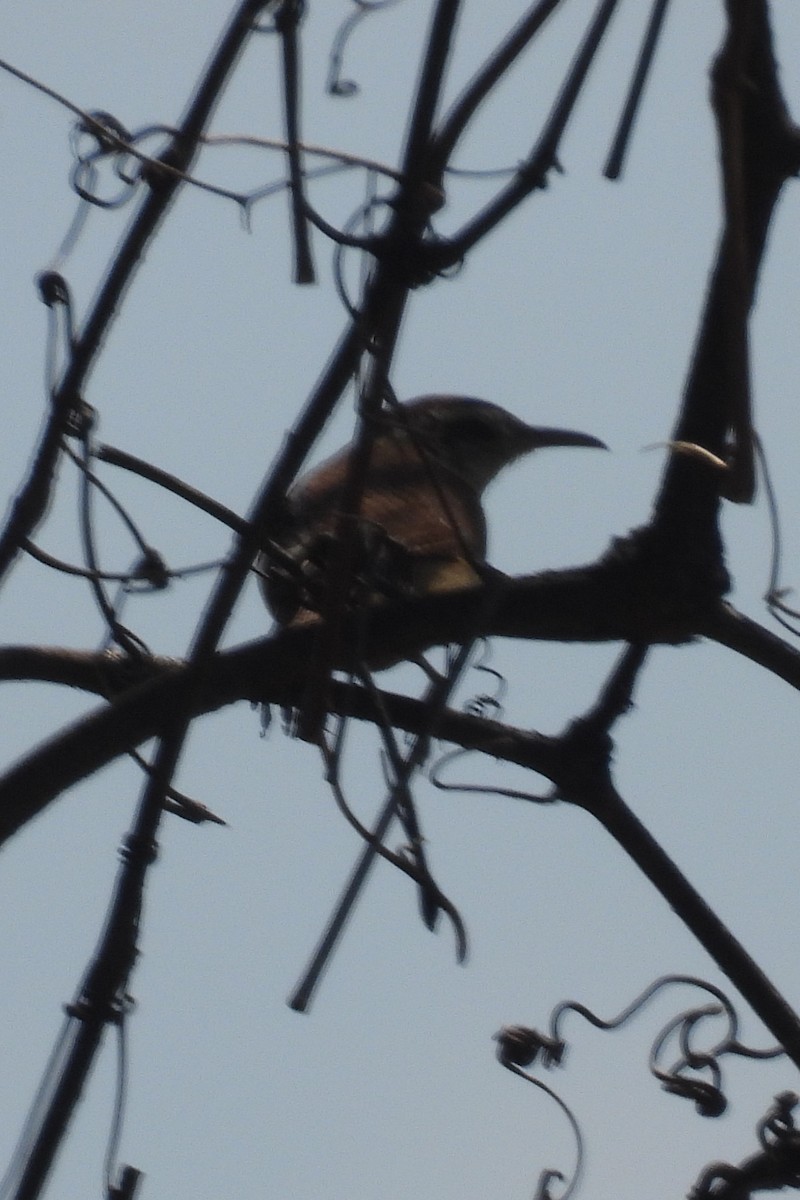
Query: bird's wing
x,y
432,519
429,511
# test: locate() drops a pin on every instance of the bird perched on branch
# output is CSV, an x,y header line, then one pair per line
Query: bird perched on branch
x,y
420,525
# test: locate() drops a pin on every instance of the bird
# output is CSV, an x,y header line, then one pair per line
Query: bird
x,y
420,525
420,528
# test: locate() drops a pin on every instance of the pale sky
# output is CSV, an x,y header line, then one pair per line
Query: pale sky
x,y
580,311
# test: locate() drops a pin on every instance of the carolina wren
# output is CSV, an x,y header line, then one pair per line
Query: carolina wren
x,y
420,526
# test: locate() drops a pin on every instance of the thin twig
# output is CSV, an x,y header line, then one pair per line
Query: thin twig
x,y
171,483
287,21
619,147
479,87
544,157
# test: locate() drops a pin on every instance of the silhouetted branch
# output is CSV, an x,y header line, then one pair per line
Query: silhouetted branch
x,y
480,86
760,150
171,483
434,702
30,504
616,157
731,628
607,806
544,157
287,21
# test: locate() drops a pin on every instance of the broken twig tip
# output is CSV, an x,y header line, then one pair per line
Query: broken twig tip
x,y
691,450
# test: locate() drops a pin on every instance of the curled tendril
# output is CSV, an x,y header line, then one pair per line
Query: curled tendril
x,y
483,789
482,705
518,1047
775,1167
708,1097
110,610
104,129
100,137
777,1131
362,219
335,85
709,1101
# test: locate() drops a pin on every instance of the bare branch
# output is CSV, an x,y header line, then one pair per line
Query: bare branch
x,y
287,22
544,157
760,152
480,86
30,504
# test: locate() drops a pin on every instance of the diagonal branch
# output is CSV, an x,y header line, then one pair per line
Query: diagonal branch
x,y
584,779
463,110
544,157
30,504
608,807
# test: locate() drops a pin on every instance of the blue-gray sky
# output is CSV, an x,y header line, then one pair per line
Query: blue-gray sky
x,y
580,311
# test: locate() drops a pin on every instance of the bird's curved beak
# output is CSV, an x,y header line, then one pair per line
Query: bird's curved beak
x,y
544,436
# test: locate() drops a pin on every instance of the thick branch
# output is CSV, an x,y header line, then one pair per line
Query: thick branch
x,y
761,150
551,606
138,714
589,604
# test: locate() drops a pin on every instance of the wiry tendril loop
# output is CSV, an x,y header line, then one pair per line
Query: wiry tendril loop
x,y
336,85
774,1167
709,1101
677,1079
485,703
97,138
777,1131
519,1047
106,131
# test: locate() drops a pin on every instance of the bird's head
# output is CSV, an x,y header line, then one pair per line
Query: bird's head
x,y
475,439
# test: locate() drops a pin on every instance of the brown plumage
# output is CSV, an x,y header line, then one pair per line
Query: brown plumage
x,y
421,525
